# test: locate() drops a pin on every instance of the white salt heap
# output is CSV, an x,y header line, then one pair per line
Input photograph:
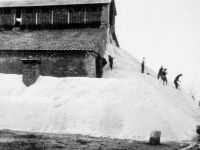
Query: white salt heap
x,y
123,104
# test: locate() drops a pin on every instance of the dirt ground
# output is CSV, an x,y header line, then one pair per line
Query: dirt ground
x,y
13,140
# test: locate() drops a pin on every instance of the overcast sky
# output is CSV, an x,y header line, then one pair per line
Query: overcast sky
x,y
166,32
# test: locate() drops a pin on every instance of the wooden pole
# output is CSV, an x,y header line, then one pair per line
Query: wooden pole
x,y
14,18
85,19
36,20
52,17
68,17
21,18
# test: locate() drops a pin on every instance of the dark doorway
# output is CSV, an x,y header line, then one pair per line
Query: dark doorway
x,y
18,17
99,67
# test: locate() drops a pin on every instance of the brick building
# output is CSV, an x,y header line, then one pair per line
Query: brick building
x,y
55,37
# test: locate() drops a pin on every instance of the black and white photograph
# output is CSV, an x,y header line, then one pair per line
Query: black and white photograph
x,y
99,75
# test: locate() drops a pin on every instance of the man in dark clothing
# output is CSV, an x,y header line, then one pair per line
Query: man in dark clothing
x,y
160,72
176,80
142,65
110,61
164,76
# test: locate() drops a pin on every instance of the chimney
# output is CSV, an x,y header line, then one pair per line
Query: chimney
x,y
31,71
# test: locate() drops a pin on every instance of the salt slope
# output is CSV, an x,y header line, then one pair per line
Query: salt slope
x,y
124,104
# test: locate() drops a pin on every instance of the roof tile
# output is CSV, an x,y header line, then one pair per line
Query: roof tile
x,y
85,39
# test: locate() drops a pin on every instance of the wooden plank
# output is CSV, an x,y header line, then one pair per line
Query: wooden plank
x,y
6,19
28,19
44,18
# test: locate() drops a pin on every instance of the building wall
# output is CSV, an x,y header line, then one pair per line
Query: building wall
x,y
90,64
58,64
52,15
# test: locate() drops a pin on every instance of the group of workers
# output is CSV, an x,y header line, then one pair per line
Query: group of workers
x,y
162,74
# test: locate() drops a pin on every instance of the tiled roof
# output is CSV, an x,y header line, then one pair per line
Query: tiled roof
x,y
85,39
21,3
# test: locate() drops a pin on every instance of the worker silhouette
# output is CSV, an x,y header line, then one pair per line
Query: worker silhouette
x,y
164,77
110,59
160,72
143,65
176,80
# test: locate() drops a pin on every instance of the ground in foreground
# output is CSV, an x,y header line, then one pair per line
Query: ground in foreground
x,y
13,140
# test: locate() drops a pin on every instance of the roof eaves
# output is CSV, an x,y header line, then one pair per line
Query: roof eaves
x,y
32,3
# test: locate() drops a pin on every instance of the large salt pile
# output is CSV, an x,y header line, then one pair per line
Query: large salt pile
x,y
123,104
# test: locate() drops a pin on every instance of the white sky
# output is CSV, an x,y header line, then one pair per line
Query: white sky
x,y
166,32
